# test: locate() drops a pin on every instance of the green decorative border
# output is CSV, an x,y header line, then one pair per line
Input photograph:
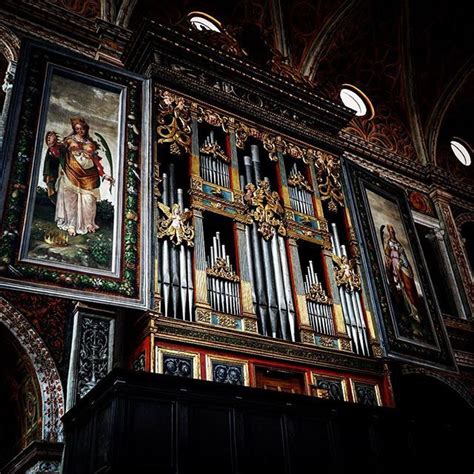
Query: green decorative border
x,y
32,70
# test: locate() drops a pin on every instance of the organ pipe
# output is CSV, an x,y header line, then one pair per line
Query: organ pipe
x,y
271,277
351,303
176,276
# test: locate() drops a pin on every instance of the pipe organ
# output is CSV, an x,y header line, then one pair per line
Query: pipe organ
x,y
223,283
300,192
349,293
175,258
250,204
266,249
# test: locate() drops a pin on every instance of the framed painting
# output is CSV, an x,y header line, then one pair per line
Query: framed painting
x,y
226,370
76,153
395,270
366,393
330,388
178,363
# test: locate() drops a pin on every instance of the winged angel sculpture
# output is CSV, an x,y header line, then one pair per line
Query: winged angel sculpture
x,y
174,224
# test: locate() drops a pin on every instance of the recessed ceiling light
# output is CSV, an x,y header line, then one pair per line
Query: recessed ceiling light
x,y
204,22
461,151
353,98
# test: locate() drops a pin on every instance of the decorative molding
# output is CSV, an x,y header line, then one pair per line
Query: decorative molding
x,y
222,270
215,150
264,207
174,123
297,180
95,355
329,182
317,294
91,354
45,369
217,338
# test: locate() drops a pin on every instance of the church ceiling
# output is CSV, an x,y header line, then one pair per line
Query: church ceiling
x,y
412,58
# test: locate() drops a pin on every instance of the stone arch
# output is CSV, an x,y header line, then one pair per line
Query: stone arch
x,y
51,389
456,385
9,44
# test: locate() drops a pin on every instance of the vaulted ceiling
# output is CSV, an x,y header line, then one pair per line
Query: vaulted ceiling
x,y
413,58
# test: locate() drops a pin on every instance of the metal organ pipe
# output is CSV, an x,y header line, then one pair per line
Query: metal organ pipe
x,y
224,295
259,282
213,169
270,270
176,273
300,198
320,314
351,304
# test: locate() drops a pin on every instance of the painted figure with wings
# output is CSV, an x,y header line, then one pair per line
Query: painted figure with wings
x,y
174,224
72,173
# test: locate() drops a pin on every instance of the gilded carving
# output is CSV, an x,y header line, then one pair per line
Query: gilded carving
x,y
203,316
174,225
250,325
329,182
297,180
317,294
264,206
345,273
222,270
216,151
174,123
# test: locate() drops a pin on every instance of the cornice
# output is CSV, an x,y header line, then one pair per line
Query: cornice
x,y
201,71
260,346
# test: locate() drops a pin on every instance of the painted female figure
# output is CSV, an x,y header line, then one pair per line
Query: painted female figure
x,y
401,276
72,173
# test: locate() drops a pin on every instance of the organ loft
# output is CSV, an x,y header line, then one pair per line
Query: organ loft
x,y
236,237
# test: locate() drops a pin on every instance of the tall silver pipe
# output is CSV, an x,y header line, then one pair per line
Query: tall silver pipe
x,y
165,254
279,286
261,294
287,287
182,265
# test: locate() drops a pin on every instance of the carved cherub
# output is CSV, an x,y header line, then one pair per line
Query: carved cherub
x,y
174,224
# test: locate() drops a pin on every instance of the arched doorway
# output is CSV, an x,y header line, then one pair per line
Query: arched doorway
x,y
31,393
20,398
444,418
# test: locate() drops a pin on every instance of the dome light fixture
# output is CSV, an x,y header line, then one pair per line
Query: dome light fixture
x,y
461,151
204,22
354,99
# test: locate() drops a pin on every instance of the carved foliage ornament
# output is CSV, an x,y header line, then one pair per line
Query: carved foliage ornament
x,y
220,269
174,123
174,127
329,181
216,151
264,206
317,294
174,225
346,273
297,180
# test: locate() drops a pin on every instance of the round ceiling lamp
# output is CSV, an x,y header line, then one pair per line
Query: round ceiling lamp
x,y
204,22
354,99
461,151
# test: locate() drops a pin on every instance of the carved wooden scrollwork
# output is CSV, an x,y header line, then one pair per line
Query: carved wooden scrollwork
x,y
264,207
174,119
